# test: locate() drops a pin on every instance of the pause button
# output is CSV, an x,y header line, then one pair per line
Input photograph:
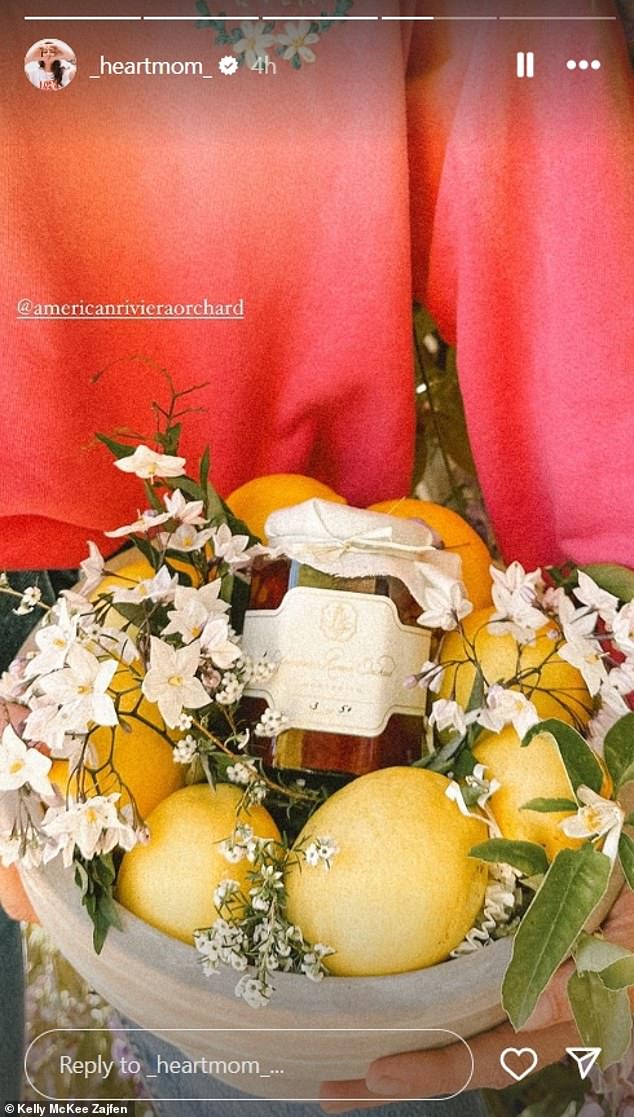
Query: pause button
x,y
525,67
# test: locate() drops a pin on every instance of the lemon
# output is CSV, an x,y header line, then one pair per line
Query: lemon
x,y
556,689
142,758
170,882
254,501
402,891
458,537
535,771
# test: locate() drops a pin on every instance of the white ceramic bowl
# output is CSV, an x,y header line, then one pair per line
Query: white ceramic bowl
x,y
158,983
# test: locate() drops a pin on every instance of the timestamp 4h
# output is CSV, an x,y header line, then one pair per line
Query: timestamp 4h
x,y
264,65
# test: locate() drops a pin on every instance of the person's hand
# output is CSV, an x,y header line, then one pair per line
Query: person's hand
x,y
427,1074
13,898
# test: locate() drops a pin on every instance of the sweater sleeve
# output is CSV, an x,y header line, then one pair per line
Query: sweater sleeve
x,y
522,211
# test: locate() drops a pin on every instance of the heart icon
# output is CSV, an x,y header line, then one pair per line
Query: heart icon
x,y
524,1058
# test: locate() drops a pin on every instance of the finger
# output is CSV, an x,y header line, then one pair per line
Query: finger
x,y
13,898
428,1074
349,1095
553,1006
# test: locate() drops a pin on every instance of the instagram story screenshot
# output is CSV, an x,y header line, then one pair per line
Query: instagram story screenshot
x,y
317,558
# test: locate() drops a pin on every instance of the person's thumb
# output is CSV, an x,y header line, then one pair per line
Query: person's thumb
x,y
553,1006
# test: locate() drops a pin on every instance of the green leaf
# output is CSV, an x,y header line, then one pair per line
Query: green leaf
x,y
581,764
186,485
571,890
528,857
618,750
96,878
594,953
616,579
148,551
602,1016
545,806
119,449
476,698
626,857
153,498
170,439
204,469
619,975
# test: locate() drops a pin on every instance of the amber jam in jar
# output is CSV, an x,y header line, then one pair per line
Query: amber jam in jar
x,y
345,647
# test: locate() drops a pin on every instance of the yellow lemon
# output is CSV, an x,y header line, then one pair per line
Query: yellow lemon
x,y
458,537
555,687
535,771
402,891
170,882
142,759
254,502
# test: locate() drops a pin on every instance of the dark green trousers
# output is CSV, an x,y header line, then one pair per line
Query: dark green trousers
x,y
13,632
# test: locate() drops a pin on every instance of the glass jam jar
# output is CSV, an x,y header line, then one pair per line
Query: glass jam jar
x,y
345,646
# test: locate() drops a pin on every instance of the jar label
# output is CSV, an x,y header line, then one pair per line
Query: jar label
x,y
342,660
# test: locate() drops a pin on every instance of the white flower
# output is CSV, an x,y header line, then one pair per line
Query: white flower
x,y
516,580
590,594
447,714
514,595
444,602
253,44
271,724
171,680
581,649
621,678
80,689
54,642
611,710
478,781
298,39
429,677
145,522
20,765
48,724
242,773
597,818
185,750
91,569
454,793
146,463
253,991
193,608
185,538
507,707
232,548
487,788
623,629
94,826
30,598
161,588
184,511
321,852
216,643
225,891
230,691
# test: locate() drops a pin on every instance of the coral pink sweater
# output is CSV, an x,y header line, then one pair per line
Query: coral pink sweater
x,y
307,196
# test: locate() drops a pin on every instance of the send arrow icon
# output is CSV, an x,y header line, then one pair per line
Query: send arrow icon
x,y
584,1057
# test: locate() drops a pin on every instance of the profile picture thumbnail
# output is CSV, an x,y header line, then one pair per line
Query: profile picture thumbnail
x,y
50,65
